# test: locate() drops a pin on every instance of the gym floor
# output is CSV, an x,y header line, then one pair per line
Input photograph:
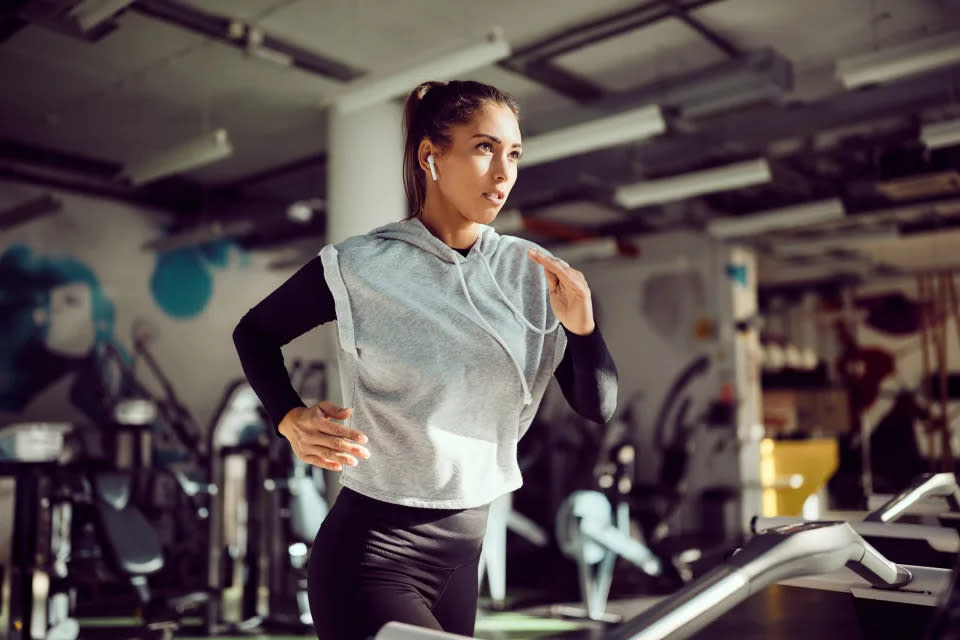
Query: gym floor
x,y
776,613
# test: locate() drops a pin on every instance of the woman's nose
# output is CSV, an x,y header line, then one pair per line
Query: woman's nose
x,y
500,170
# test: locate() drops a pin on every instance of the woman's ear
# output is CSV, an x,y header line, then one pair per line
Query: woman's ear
x,y
427,159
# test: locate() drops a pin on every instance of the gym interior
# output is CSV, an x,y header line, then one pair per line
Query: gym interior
x,y
763,196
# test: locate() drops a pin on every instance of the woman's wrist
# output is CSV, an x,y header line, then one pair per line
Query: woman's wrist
x,y
288,419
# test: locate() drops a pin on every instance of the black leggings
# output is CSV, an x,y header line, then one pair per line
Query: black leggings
x,y
373,562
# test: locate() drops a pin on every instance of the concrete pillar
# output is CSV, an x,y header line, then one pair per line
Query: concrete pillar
x,y
364,170
364,191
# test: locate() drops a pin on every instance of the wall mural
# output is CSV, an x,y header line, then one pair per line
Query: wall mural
x,y
57,321
54,318
182,282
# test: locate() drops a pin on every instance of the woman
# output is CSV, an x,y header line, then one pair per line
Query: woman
x,y
449,334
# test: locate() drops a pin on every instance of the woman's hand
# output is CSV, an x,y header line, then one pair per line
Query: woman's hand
x,y
569,293
318,440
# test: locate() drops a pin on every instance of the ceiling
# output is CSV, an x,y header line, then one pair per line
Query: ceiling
x,y
82,105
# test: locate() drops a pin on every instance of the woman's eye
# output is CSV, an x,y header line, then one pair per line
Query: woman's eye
x,y
516,155
485,146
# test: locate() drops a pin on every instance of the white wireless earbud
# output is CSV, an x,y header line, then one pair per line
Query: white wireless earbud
x,y
433,169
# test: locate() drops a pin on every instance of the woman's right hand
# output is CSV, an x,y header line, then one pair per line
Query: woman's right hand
x,y
318,440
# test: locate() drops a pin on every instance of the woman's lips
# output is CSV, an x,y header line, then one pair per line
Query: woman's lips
x,y
493,197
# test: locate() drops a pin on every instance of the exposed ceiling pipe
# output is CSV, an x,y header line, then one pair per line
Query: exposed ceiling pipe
x,y
89,20
535,60
749,130
249,38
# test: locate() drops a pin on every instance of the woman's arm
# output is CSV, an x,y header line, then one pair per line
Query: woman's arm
x,y
588,377
295,307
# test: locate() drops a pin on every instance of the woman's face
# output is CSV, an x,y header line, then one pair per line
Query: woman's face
x,y
478,170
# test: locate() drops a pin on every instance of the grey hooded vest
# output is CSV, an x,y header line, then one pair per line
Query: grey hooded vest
x,y
444,359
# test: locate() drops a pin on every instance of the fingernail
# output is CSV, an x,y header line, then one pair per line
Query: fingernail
x,y
363,438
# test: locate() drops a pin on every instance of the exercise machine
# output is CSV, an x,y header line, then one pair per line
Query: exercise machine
x,y
34,535
591,534
502,518
237,558
263,520
593,528
779,554
50,498
928,485
933,545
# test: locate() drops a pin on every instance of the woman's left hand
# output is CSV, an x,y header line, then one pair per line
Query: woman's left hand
x,y
569,293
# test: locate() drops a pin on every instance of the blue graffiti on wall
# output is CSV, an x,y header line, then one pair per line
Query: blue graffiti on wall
x,y
182,282
54,317
56,321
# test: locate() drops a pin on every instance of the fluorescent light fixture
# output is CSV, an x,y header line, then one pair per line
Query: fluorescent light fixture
x,y
439,65
586,250
205,150
609,131
26,211
833,242
731,176
941,134
785,218
900,61
91,13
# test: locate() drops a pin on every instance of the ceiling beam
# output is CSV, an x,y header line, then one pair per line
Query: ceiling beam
x,y
14,151
32,209
315,162
708,34
246,37
535,60
567,39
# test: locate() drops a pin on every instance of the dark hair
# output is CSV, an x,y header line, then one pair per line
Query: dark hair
x,y
431,109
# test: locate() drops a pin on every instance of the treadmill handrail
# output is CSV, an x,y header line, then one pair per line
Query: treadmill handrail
x,y
926,485
943,539
793,550
928,587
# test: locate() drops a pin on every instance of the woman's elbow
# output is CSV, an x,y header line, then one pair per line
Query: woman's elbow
x,y
238,332
242,332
